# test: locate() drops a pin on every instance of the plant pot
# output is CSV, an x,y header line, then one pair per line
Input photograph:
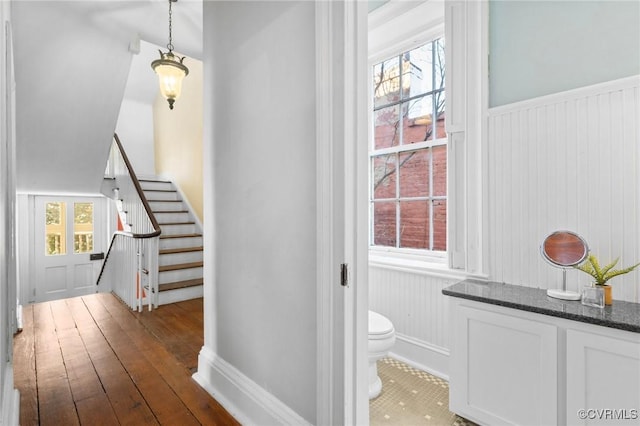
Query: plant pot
x,y
608,299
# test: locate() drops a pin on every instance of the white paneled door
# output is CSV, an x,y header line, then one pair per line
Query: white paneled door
x,y
68,230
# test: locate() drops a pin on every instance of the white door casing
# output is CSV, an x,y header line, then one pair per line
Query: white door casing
x,y
342,176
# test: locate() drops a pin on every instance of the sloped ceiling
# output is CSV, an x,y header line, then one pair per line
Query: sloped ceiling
x,y
72,63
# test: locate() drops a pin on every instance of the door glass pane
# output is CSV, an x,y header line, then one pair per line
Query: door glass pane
x,y
82,227
55,229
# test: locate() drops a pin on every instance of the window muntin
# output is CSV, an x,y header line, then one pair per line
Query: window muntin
x,y
408,157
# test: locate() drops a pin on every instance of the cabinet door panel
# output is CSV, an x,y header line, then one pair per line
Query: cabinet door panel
x,y
494,352
603,377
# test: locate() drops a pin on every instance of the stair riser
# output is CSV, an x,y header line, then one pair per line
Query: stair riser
x,y
179,275
178,229
172,217
160,186
165,206
177,258
169,243
161,195
180,294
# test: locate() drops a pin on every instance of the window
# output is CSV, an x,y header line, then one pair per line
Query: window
x,y
82,228
56,228
408,155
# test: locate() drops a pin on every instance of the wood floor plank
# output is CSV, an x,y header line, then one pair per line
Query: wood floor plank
x,y
92,361
165,404
206,409
181,335
24,367
128,403
55,401
92,403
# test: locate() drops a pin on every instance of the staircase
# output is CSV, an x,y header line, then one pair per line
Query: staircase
x,y
180,256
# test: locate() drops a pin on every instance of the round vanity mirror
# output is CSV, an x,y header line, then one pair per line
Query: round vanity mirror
x,y
564,249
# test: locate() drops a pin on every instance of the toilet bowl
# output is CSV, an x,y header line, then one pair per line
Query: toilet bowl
x,y
382,336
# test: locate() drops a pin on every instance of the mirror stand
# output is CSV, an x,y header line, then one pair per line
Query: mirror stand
x,y
564,293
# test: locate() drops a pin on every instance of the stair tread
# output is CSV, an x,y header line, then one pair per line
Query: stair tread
x,y
154,180
163,201
159,190
171,211
176,223
179,235
179,266
181,250
181,284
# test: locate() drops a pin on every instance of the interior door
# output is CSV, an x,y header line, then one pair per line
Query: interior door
x,y
68,230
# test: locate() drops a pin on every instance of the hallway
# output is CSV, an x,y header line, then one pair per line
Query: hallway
x,y
90,360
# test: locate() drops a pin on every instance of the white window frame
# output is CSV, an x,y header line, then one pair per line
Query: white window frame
x,y
399,26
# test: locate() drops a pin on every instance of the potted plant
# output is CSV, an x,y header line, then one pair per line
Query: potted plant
x,y
601,275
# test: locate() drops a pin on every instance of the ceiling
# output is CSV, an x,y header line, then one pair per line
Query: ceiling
x,y
73,61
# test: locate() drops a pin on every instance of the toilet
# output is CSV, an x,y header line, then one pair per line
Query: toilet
x,y
382,336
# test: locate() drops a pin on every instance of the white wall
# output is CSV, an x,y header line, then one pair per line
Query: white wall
x,y
544,47
135,130
260,276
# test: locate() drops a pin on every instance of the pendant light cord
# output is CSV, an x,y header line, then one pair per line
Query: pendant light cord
x,y
170,45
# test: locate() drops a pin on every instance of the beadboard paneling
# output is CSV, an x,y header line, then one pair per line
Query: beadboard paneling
x,y
565,161
419,312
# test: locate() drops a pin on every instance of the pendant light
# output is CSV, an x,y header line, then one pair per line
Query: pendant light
x,y
170,69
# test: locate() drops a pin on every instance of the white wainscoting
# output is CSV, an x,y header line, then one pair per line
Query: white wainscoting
x,y
566,161
414,303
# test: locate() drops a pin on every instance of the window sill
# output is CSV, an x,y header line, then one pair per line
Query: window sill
x,y
422,265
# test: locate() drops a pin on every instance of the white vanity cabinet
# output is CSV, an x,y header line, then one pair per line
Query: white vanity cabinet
x,y
515,367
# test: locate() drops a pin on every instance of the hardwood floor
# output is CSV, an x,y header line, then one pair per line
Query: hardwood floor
x,y
90,360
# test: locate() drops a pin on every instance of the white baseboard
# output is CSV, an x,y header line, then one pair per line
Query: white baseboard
x,y
244,399
10,400
421,355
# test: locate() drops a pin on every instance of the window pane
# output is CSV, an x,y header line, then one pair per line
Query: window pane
x,y
384,224
414,224
416,120
416,71
384,176
440,225
439,154
55,229
82,227
414,173
386,82
386,132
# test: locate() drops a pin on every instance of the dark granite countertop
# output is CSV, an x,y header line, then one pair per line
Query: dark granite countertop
x,y
621,315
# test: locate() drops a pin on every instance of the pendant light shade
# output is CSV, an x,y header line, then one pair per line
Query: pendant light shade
x,y
170,69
